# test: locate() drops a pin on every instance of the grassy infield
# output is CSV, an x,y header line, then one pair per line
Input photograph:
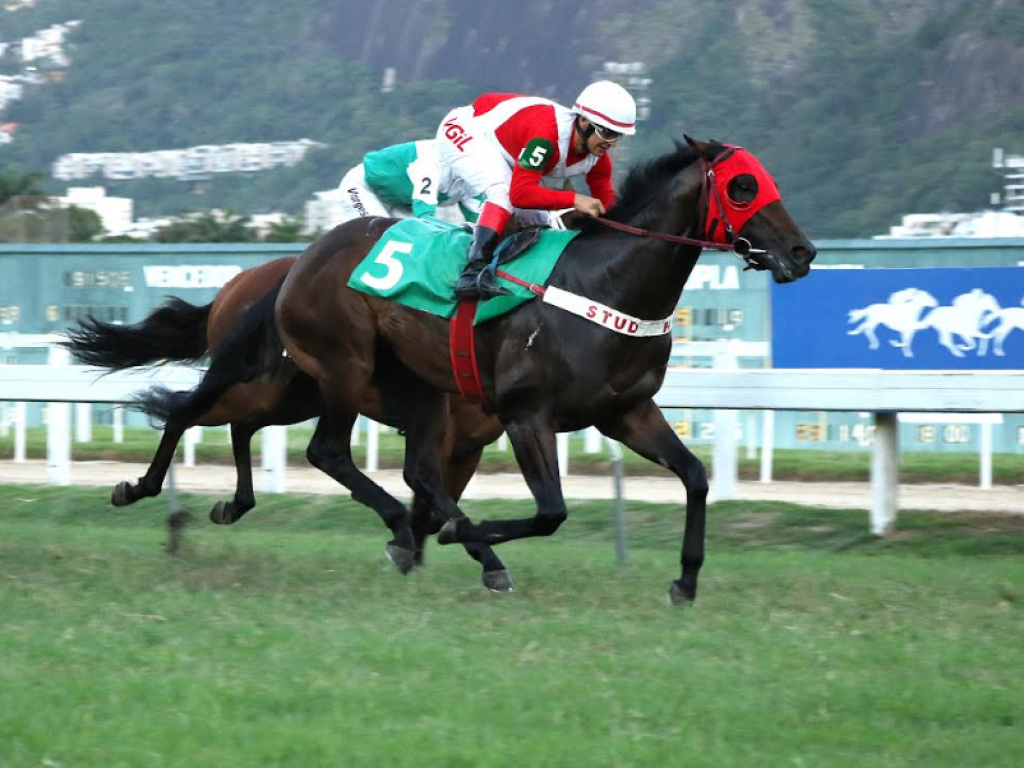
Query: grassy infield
x,y
286,641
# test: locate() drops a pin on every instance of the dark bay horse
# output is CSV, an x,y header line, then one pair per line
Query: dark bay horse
x,y
281,394
543,369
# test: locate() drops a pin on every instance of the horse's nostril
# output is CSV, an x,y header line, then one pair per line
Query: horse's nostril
x,y
804,255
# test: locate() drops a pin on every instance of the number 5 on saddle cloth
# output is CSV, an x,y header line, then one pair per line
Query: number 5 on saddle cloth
x,y
418,261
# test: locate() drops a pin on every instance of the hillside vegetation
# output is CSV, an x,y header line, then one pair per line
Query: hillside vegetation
x,y
863,110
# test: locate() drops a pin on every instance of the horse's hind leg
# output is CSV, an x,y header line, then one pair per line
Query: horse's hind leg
x,y
869,331
330,452
999,336
946,339
151,483
288,398
228,512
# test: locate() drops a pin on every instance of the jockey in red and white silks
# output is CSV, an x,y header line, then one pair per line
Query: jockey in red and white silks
x,y
503,145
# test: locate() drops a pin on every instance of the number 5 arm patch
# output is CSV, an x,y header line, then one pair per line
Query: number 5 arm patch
x,y
536,155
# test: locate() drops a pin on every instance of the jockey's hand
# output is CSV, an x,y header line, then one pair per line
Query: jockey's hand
x,y
588,205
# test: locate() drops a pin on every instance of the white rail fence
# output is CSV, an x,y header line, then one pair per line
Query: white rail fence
x,y
883,393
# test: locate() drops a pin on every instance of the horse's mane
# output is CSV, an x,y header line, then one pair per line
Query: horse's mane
x,y
644,184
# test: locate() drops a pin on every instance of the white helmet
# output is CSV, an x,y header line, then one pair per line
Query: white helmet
x,y
609,105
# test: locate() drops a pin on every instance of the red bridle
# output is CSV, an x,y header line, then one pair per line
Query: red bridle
x,y
719,230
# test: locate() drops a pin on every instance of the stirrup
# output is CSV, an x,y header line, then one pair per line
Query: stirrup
x,y
489,288
467,293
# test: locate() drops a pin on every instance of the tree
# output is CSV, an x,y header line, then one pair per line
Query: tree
x,y
83,225
207,227
21,186
287,231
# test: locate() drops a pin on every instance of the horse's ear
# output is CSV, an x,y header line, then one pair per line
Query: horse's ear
x,y
700,146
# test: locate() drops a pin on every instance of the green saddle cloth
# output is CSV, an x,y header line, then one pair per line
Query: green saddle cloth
x,y
418,261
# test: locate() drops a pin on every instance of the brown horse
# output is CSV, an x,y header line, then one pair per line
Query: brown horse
x,y
282,394
543,370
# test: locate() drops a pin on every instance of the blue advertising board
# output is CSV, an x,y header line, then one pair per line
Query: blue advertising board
x,y
919,319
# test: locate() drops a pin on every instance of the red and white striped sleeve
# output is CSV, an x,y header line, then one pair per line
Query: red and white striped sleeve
x,y
531,136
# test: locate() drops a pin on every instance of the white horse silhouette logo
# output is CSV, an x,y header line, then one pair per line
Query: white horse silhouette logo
x,y
1010,319
902,313
960,326
965,318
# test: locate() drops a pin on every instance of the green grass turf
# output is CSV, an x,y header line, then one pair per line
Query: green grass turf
x,y
286,640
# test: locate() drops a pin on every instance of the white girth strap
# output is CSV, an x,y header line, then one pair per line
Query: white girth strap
x,y
610,318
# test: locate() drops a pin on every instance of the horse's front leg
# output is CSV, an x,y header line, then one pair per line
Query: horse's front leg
x,y
456,473
533,439
425,426
644,429
905,342
983,343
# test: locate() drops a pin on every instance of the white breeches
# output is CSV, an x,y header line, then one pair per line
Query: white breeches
x,y
357,199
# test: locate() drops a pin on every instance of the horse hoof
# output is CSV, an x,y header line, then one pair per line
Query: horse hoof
x,y
680,595
498,581
403,559
449,533
121,495
221,514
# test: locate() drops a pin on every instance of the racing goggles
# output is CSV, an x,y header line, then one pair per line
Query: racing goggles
x,y
606,134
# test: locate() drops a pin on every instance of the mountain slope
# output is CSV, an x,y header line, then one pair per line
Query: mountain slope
x,y
863,110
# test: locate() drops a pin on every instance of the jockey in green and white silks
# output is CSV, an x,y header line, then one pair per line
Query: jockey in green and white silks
x,y
403,180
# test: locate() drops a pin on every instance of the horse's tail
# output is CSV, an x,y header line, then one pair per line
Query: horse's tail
x,y
174,331
253,347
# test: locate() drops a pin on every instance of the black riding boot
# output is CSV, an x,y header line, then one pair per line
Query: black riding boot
x,y
476,280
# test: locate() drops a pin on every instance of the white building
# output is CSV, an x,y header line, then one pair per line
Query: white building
x,y
48,44
1012,167
323,212
115,212
991,224
927,225
10,90
263,222
192,163
978,224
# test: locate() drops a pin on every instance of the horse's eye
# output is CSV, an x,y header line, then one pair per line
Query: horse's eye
x,y
742,189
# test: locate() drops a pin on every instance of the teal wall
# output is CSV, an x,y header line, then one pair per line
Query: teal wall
x,y
51,285
44,288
